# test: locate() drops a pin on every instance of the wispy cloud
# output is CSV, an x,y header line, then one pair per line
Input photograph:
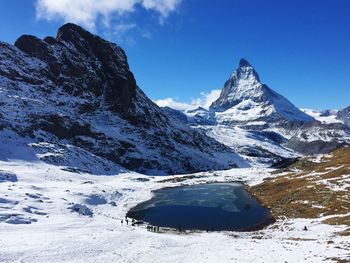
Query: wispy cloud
x,y
122,29
89,12
205,100
146,34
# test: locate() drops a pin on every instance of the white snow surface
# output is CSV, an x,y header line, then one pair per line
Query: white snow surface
x,y
323,118
37,224
239,139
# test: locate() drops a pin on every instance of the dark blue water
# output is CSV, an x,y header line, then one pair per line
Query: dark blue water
x,y
219,206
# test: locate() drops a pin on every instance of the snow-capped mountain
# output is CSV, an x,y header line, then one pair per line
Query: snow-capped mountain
x,y
245,98
262,125
72,100
249,104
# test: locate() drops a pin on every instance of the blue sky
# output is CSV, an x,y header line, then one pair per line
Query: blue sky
x,y
180,49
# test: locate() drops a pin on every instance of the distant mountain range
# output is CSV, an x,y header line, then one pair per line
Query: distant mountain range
x,y
72,100
262,125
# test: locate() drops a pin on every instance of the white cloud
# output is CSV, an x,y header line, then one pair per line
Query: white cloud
x,y
170,102
205,100
88,12
164,7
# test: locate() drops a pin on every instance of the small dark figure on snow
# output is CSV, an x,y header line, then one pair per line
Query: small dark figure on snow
x,y
127,221
157,228
305,228
121,221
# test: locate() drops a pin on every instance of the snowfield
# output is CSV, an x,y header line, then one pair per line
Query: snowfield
x,y
327,117
38,223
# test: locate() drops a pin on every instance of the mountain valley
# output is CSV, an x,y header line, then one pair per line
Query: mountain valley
x,y
81,145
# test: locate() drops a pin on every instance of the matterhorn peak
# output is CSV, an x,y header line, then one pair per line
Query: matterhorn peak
x,y
244,63
245,95
242,83
245,71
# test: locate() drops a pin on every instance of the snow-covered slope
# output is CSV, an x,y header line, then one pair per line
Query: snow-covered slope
x,y
324,116
75,93
258,147
50,215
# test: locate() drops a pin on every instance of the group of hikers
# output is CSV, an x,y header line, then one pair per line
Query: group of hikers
x,y
126,220
156,228
135,223
152,228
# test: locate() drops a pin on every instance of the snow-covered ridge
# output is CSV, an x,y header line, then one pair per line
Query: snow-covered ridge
x,y
325,116
76,93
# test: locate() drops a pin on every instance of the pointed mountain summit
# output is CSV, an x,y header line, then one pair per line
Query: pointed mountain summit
x,y
244,63
245,98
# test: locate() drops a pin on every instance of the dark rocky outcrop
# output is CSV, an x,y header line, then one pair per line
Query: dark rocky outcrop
x,y
67,55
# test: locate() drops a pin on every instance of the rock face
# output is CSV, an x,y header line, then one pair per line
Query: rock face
x,y
67,56
344,116
72,100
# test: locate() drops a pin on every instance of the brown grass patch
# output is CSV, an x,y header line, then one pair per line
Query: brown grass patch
x,y
310,189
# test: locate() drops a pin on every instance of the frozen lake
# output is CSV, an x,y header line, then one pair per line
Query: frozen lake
x,y
216,206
